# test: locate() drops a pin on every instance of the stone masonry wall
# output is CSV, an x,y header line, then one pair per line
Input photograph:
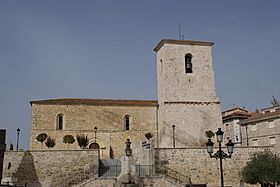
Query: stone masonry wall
x,y
83,118
191,122
196,164
50,168
262,133
186,100
174,84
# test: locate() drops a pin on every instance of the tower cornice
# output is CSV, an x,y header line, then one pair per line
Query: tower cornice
x,y
182,42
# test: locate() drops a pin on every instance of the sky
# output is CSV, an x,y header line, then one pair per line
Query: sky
x,y
104,49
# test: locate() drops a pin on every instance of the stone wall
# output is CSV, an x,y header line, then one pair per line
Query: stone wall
x,y
83,118
190,120
50,168
102,182
196,164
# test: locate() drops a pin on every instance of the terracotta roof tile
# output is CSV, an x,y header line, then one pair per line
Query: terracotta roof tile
x,y
238,114
255,117
96,102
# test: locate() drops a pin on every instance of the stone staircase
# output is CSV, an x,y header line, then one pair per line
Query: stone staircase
x,y
152,175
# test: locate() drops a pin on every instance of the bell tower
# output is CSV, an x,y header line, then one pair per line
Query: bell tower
x,y
186,93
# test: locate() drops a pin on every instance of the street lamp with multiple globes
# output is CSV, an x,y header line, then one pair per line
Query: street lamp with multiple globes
x,y
220,154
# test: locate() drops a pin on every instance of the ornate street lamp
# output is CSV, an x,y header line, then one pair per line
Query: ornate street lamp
x,y
95,130
173,130
128,153
220,154
18,132
128,150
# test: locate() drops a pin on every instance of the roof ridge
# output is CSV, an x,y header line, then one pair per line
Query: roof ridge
x,y
102,102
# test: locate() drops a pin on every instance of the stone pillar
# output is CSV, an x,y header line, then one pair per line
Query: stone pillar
x,y
2,149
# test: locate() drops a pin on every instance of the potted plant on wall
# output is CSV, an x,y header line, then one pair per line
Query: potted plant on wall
x,y
41,138
148,135
209,134
68,139
50,142
82,140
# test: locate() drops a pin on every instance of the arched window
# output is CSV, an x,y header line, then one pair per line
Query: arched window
x,y
94,146
188,63
59,122
127,121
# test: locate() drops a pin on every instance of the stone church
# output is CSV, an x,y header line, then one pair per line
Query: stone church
x,y
187,101
187,106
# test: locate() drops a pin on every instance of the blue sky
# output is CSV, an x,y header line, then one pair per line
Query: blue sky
x,y
104,49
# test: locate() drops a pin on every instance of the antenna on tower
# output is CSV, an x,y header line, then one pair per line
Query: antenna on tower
x,y
179,31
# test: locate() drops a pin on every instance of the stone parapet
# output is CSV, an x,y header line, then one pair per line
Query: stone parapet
x,y
196,163
50,168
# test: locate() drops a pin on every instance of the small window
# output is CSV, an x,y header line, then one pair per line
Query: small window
x,y
227,126
253,127
270,124
59,122
255,142
127,121
272,140
236,138
188,63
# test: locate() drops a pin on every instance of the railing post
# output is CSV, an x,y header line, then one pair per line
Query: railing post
x,y
116,170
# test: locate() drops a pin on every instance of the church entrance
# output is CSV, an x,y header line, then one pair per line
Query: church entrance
x,y
94,146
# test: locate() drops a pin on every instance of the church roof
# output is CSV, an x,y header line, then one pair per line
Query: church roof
x,y
184,42
96,102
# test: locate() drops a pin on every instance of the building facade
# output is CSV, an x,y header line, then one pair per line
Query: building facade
x,y
261,129
186,99
231,119
115,120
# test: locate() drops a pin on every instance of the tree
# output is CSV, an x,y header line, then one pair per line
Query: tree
x,y
264,168
82,140
41,138
111,153
69,139
50,142
274,101
209,134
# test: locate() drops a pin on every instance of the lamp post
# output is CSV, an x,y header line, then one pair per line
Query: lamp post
x,y
95,130
220,154
128,153
173,132
128,150
18,131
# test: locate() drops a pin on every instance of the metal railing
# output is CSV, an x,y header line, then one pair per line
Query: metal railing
x,y
113,171
175,175
110,171
146,170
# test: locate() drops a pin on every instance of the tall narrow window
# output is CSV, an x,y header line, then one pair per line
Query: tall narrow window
x,y
188,63
127,122
59,122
